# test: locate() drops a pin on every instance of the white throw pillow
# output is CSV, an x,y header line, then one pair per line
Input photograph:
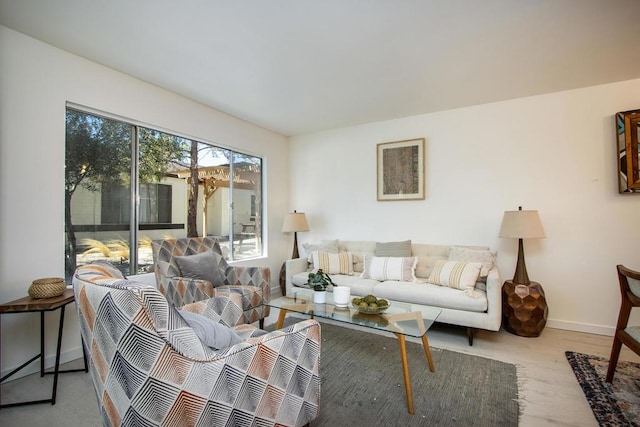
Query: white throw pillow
x,y
484,256
330,263
457,275
402,269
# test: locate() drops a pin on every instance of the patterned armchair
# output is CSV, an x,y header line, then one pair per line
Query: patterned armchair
x,y
251,283
149,368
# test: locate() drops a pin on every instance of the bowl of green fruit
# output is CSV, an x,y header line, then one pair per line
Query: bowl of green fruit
x,y
370,304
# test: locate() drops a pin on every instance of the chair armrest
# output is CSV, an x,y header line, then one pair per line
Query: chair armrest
x,y
309,326
293,267
247,276
494,299
223,309
291,360
260,277
183,290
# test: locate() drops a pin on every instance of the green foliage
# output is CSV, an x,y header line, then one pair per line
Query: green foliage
x,y
97,150
319,281
158,150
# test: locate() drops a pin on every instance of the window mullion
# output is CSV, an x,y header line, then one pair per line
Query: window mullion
x,y
135,202
231,224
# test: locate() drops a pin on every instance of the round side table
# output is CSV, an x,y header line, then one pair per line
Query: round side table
x,y
524,308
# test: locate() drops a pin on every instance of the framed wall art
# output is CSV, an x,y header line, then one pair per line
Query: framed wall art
x,y
400,170
628,144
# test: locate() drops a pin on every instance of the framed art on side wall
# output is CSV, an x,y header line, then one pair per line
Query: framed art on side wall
x,y
628,144
400,170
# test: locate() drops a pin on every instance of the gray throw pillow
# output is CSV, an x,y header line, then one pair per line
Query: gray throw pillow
x,y
203,266
393,249
211,333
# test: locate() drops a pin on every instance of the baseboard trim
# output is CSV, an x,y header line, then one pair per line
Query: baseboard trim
x,y
49,362
581,327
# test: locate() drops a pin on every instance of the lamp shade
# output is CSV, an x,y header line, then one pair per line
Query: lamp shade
x,y
294,222
522,225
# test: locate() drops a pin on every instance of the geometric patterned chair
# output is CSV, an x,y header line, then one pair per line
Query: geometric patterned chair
x,y
251,283
629,281
149,368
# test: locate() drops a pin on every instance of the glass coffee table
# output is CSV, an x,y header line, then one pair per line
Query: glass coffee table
x,y
401,319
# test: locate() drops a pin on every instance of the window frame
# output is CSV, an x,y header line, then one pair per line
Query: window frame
x,y
135,193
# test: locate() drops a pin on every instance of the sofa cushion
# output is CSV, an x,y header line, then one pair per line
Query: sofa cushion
x,y
393,249
431,295
330,263
427,257
457,275
390,268
324,246
484,256
358,249
358,261
202,266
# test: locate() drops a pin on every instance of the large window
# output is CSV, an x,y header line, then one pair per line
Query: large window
x,y
126,185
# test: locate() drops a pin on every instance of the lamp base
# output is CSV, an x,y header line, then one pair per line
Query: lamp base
x,y
524,308
283,270
283,279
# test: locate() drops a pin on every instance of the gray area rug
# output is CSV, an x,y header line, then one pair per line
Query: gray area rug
x,y
362,384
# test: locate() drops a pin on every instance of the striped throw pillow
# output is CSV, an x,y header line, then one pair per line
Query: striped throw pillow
x,y
330,263
402,269
458,275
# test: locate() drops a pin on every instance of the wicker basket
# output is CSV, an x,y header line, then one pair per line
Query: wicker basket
x,y
47,288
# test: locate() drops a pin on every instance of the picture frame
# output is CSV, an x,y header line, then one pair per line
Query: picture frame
x,y
400,170
628,146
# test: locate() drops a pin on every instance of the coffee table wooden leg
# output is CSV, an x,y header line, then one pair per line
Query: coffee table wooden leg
x,y
405,372
427,351
281,316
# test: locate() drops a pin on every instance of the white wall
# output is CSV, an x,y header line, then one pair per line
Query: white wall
x,y
36,80
555,153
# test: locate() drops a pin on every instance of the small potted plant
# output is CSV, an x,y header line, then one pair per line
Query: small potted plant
x,y
319,282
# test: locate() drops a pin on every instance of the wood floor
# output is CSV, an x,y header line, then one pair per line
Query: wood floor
x,y
548,391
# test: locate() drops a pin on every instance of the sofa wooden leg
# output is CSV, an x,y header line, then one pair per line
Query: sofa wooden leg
x,y
470,333
261,323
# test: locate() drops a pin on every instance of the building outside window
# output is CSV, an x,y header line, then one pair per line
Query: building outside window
x,y
126,185
155,204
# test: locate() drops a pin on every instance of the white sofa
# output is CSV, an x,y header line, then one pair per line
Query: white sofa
x,y
477,309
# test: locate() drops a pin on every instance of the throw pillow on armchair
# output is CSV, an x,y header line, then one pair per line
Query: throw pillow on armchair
x,y
203,266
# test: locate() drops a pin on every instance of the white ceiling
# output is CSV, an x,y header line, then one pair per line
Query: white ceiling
x,y
301,66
